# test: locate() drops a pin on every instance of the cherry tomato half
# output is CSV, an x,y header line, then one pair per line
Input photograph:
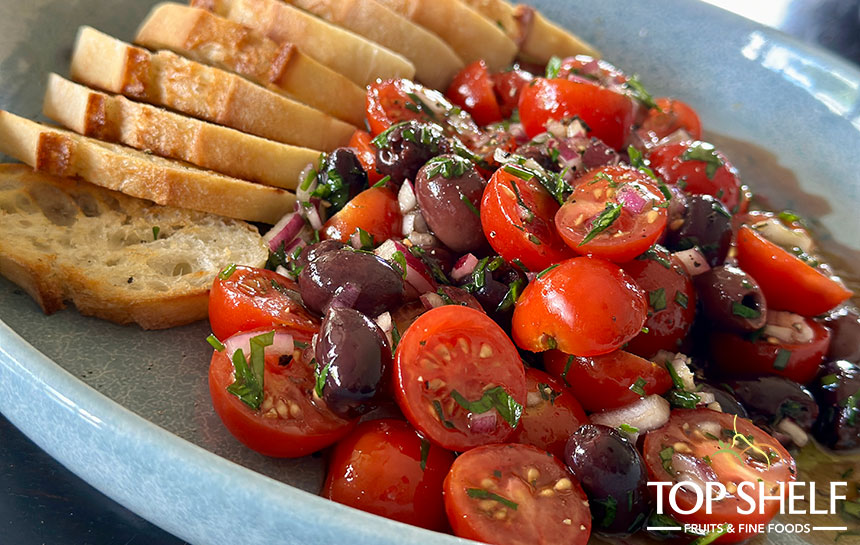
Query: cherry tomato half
x,y
515,495
670,115
385,467
604,382
290,422
583,306
615,212
248,298
449,361
607,113
718,447
787,282
740,356
700,169
375,210
472,90
551,414
508,86
517,218
671,301
365,151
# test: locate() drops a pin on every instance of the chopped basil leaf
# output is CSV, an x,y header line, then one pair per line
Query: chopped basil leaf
x,y
702,151
638,162
666,458
248,379
400,260
494,398
420,106
554,183
300,345
425,450
740,309
682,299
448,167
366,239
684,400
713,536
520,264
382,182
520,173
754,336
782,357
787,216
216,344
627,428
320,375
155,231
470,206
657,299
610,509
637,91
545,271
481,494
830,379
638,387
553,67
567,365
510,298
227,272
437,406
654,256
525,213
395,336
602,222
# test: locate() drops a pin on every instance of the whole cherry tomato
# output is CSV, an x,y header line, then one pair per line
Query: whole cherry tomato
x,y
583,306
385,467
508,86
361,142
375,210
472,90
669,116
698,168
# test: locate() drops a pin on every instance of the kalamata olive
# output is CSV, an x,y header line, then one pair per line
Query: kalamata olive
x,y
407,147
539,154
731,299
453,295
844,323
354,354
358,280
310,253
838,392
343,176
769,400
728,403
598,154
613,476
449,190
707,224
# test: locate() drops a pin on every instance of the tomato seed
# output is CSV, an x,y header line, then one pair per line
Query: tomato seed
x,y
283,410
488,483
563,484
501,514
683,448
486,351
652,216
463,345
546,492
532,474
567,522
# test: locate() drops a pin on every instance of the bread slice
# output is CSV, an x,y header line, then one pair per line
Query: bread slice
x,y
114,256
201,91
205,37
114,118
435,62
138,174
359,59
470,35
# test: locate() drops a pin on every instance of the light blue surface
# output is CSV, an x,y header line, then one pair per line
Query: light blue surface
x,y
128,410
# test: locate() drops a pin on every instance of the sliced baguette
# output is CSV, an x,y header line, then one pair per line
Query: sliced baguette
x,y
68,240
435,62
204,37
201,91
114,118
359,59
470,35
63,153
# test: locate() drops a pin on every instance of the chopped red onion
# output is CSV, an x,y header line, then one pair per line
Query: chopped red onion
x,y
483,423
282,344
631,200
647,414
431,300
418,277
693,261
313,215
406,197
464,267
285,231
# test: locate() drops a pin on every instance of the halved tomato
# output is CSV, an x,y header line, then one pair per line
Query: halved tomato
x,y
374,210
698,168
670,115
362,143
472,90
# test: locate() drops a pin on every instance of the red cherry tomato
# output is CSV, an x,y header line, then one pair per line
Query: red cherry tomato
x,y
249,298
607,113
699,169
718,447
385,467
508,86
365,151
517,218
550,416
740,356
453,356
604,382
375,210
671,301
514,495
615,212
290,422
472,90
670,115
787,282
584,306
589,69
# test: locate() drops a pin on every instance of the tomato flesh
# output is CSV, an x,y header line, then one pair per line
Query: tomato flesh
x,y
670,115
639,214
249,298
584,306
604,382
508,86
515,495
704,443
291,422
699,169
374,210
517,219
361,142
384,468
472,90
455,354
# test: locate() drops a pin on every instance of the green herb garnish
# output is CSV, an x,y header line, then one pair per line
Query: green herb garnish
x,y
782,357
657,299
637,91
638,387
740,309
481,494
425,450
319,379
702,151
602,222
553,67
682,299
248,379
216,344
400,260
627,428
227,272
494,398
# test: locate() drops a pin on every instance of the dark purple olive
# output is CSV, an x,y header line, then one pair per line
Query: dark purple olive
x,y
353,354
343,175
838,392
728,403
731,299
452,295
770,400
449,190
844,323
613,476
706,224
406,147
357,280
598,154
310,253
539,153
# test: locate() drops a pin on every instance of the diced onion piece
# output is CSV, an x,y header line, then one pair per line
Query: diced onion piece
x,y
432,300
418,277
693,261
791,429
285,231
483,423
680,363
788,327
777,232
464,267
406,199
631,200
647,414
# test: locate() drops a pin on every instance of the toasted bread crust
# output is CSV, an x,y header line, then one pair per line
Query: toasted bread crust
x,y
62,153
205,37
360,60
166,79
114,118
